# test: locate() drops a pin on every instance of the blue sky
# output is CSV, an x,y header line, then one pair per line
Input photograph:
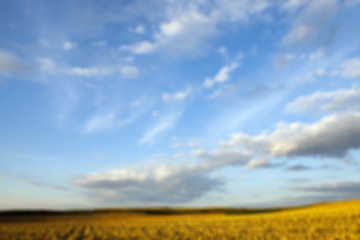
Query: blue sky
x,y
178,103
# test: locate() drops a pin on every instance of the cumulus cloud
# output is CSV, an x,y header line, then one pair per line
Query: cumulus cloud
x,y
329,101
170,183
222,75
332,136
10,63
162,183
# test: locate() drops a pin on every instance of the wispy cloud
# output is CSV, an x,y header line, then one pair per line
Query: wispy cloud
x,y
100,122
49,66
283,62
90,71
46,185
309,22
350,68
67,45
180,95
143,47
188,27
140,29
298,167
163,124
222,75
10,63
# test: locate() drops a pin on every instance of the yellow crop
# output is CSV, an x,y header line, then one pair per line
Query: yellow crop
x,y
339,220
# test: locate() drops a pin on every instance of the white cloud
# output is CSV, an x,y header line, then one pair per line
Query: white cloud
x,y
352,3
101,43
297,35
10,63
140,29
188,180
258,163
129,71
337,187
190,143
126,71
44,42
294,4
188,26
178,96
67,45
330,101
143,47
223,51
90,71
100,122
138,102
283,62
155,113
222,75
350,68
332,136
221,157
160,182
163,124
47,64
332,191
234,10
309,23
318,54
68,99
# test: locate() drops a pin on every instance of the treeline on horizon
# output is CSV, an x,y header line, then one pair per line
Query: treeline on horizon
x,y
147,211
153,210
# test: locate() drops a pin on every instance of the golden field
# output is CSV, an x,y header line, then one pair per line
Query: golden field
x,y
338,220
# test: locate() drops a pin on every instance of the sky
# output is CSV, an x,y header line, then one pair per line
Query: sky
x,y
178,103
